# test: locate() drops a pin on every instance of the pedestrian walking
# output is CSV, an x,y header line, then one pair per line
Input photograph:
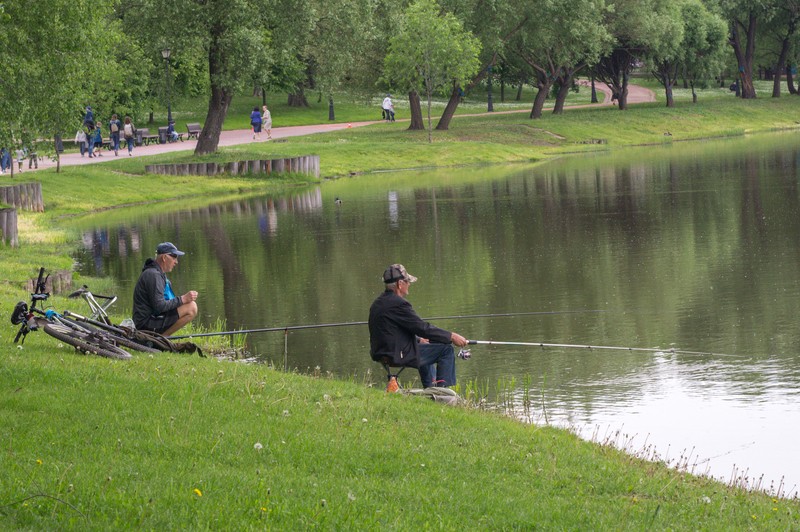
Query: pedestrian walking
x,y
129,132
114,126
255,123
80,141
266,119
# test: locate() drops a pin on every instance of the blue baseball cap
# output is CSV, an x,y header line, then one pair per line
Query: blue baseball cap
x,y
168,247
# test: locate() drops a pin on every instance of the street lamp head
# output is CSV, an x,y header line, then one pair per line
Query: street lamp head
x,y
165,53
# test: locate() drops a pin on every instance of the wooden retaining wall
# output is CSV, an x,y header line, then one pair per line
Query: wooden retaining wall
x,y
304,164
25,196
60,281
8,227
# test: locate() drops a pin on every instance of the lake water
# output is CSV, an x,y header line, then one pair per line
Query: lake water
x,y
691,246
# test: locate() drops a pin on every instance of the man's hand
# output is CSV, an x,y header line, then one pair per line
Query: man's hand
x,y
191,295
458,340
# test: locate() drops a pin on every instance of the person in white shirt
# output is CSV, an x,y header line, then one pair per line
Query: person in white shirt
x,y
388,108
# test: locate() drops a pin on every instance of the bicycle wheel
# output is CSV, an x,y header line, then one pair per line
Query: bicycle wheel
x,y
86,342
115,334
130,344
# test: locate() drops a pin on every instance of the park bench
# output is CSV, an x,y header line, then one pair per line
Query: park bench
x,y
193,129
143,136
163,136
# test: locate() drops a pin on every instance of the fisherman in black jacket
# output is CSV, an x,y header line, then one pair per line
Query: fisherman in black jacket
x,y
155,306
397,332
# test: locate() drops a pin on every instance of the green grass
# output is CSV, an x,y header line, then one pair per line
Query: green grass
x,y
177,442
91,444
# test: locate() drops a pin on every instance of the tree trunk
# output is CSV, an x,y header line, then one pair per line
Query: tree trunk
x,y
790,80
694,94
566,85
449,111
780,66
150,119
417,124
298,98
538,102
744,54
218,102
623,93
519,92
668,93
563,91
331,112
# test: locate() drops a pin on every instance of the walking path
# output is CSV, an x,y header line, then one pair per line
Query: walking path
x,y
636,94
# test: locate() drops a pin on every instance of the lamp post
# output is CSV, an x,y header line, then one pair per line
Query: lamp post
x,y
165,54
489,104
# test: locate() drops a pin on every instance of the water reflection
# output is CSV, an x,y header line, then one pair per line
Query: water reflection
x,y
693,248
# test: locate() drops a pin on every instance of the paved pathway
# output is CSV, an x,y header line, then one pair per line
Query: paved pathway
x,y
636,94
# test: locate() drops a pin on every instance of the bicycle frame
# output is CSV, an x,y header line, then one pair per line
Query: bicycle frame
x,y
99,310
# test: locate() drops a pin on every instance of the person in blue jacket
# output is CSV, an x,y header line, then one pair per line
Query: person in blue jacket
x,y
255,121
155,305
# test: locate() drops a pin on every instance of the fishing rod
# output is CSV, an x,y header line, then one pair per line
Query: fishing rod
x,y
590,347
287,328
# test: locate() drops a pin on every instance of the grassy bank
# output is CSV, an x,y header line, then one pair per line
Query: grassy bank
x,y
175,442
178,442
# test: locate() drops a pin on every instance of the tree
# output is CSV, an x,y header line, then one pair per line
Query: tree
x,y
783,28
52,60
233,35
636,26
693,48
337,54
431,51
743,18
493,23
558,39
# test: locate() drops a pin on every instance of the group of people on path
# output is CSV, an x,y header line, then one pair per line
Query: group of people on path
x,y
261,120
22,153
89,137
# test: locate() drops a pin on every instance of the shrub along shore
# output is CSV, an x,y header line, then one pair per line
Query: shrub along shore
x,y
179,442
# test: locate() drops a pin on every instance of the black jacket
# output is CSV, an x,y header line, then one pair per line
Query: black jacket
x,y
393,330
148,295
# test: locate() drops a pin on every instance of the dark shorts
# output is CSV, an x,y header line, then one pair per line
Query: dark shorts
x,y
161,323
256,127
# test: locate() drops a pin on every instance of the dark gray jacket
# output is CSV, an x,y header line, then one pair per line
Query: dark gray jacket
x,y
393,330
148,295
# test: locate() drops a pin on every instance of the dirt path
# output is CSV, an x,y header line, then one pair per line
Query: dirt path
x,y
636,94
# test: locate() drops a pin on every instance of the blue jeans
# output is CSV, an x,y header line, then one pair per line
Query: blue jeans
x,y
437,362
91,147
115,141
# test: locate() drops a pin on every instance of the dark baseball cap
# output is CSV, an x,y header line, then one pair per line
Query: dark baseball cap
x,y
168,247
396,272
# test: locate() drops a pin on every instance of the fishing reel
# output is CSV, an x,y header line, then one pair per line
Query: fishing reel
x,y
466,354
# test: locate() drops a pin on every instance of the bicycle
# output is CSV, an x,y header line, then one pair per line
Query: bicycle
x,y
83,338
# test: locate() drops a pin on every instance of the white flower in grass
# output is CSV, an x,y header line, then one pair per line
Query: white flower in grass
x,y
285,413
258,446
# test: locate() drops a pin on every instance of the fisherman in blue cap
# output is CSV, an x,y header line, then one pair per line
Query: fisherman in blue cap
x,y
155,305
